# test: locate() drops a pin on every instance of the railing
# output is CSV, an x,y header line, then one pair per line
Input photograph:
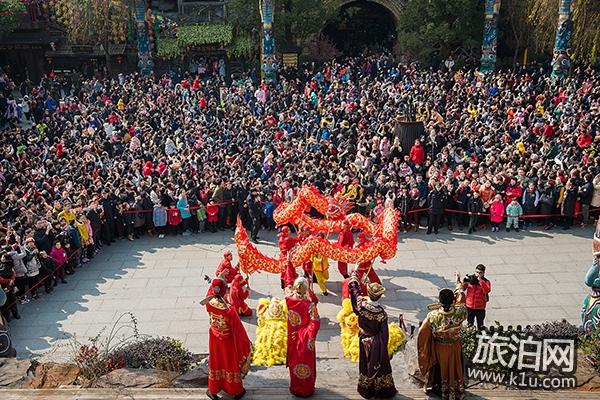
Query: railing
x,y
202,11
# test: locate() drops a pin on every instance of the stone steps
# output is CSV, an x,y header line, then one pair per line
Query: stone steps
x,y
267,393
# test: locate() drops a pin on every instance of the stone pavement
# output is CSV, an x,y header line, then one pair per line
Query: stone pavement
x,y
536,276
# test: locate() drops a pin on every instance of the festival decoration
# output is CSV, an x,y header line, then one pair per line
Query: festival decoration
x,y
268,58
590,312
561,61
145,63
490,36
270,347
382,244
349,333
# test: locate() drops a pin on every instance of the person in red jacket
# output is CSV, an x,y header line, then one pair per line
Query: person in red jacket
x,y
478,288
212,212
584,140
173,217
346,240
417,153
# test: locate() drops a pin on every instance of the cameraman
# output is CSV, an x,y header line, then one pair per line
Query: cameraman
x,y
478,288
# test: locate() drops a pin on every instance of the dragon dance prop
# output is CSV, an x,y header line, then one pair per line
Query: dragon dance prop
x,y
383,234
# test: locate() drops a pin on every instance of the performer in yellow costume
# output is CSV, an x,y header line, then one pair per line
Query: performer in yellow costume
x,y
349,333
271,334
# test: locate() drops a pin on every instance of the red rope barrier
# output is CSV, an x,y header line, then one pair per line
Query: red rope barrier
x,y
41,281
175,208
524,216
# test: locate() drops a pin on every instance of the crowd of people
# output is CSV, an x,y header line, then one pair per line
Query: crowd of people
x,y
103,159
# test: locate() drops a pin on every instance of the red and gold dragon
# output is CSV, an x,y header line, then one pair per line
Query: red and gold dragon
x,y
383,232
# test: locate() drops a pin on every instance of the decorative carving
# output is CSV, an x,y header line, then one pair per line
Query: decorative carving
x,y
490,36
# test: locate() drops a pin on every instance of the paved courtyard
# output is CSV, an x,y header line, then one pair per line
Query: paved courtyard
x,y
536,276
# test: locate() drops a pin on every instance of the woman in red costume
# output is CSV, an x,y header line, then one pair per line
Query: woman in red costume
x,y
238,293
228,345
303,326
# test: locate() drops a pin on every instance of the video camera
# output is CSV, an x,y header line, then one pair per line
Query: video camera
x,y
471,279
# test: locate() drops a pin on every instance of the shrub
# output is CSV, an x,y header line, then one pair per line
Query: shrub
x,y
590,346
163,353
555,329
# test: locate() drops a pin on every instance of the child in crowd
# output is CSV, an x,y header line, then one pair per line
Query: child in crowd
x,y
513,213
212,211
496,212
47,268
174,218
268,210
159,218
201,215
59,256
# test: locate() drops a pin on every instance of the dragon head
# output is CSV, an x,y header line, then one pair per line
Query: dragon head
x,y
337,207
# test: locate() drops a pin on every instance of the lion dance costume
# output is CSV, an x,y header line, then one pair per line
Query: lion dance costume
x,y
271,335
349,333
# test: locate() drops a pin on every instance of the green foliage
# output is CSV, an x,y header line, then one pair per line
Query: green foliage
x,y
299,21
242,46
11,12
469,341
197,35
168,47
429,31
590,346
244,15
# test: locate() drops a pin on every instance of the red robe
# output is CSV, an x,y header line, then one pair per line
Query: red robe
x,y
226,270
286,243
229,349
346,240
303,326
238,293
365,268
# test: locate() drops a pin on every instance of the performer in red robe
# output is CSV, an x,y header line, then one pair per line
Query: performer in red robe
x,y
366,267
225,270
238,293
286,243
303,326
228,345
346,240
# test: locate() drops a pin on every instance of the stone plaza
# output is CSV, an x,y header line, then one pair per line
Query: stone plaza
x,y
536,276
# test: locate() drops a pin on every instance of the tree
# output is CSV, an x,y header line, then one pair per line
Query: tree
x,y
244,16
299,21
91,22
430,31
514,27
543,18
10,13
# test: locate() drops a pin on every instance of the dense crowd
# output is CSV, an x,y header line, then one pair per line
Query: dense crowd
x,y
87,161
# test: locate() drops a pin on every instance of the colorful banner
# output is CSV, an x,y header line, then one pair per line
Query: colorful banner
x,y
490,36
145,62
268,59
561,61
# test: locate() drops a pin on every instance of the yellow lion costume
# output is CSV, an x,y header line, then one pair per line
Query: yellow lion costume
x,y
271,335
349,333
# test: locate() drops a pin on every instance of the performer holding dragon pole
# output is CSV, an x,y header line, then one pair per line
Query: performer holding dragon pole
x,y
303,325
375,379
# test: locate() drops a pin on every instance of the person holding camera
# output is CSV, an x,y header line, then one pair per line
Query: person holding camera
x,y
477,288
